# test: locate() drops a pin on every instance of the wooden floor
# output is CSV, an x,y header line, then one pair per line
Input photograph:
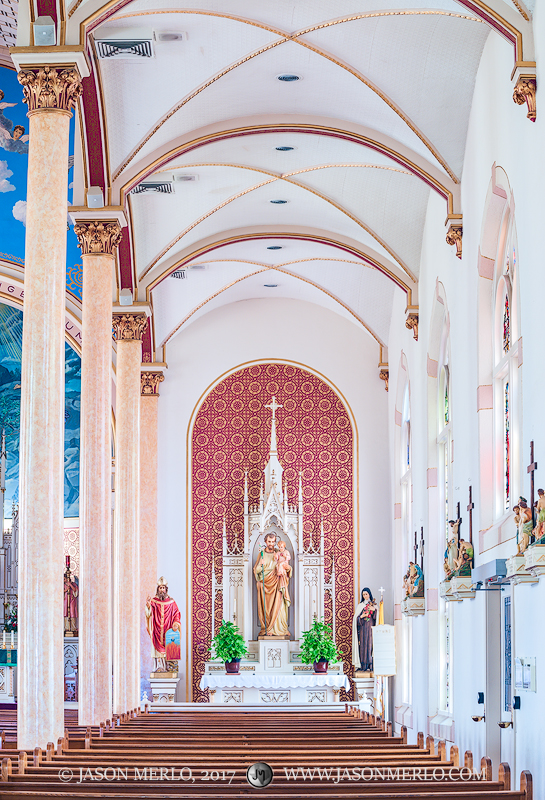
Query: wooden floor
x,y
198,753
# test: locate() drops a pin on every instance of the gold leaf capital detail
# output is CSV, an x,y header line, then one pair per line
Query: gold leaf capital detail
x,y
149,383
49,87
129,327
98,238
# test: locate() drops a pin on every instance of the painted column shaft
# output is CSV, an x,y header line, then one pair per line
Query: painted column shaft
x,y
95,596
40,717
127,611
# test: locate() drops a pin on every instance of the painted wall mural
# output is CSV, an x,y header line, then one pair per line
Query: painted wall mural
x,y
231,434
13,187
13,181
11,340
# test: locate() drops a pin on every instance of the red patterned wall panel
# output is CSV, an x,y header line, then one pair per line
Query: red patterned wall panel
x,y
232,434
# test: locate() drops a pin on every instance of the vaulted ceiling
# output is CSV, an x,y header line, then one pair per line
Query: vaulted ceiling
x,y
375,122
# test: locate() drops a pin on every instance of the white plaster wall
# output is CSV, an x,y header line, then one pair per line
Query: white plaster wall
x,y
498,133
314,337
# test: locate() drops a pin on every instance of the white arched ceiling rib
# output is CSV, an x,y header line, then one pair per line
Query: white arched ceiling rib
x,y
294,15
133,104
302,209
354,293
159,218
258,151
251,88
435,91
164,223
392,204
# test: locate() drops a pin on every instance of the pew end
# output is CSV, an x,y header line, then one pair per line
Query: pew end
x,y
504,775
486,768
527,785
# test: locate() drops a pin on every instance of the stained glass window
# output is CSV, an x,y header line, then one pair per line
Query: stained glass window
x,y
506,445
506,325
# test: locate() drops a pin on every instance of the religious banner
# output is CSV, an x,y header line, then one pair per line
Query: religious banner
x,y
231,435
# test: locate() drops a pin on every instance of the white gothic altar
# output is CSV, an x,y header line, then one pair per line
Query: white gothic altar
x,y
272,670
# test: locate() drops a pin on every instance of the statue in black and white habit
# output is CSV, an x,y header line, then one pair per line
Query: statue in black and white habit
x,y
362,632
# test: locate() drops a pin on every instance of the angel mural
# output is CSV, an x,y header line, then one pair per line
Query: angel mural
x,y
13,139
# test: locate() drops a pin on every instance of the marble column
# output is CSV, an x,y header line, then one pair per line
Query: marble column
x,y
98,240
148,510
50,94
128,329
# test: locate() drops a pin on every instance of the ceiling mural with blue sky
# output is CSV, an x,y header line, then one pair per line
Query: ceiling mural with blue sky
x,y
13,182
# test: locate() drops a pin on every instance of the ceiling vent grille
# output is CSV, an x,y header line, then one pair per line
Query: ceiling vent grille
x,y
124,48
162,187
198,266
179,274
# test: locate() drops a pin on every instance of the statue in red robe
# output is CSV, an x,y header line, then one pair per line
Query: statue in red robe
x,y
162,614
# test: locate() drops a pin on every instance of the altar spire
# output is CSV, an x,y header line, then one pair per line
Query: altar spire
x,y
273,470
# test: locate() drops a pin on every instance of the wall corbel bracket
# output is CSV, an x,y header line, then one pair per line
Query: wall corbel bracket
x,y
454,237
412,323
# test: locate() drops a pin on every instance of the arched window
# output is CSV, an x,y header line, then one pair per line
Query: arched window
x,y
499,366
505,374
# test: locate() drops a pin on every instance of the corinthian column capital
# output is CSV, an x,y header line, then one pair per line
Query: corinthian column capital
x,y
97,237
50,87
129,327
149,383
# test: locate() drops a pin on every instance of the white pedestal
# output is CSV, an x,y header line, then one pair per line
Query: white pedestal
x,y
163,689
517,572
274,655
535,559
365,689
414,606
462,588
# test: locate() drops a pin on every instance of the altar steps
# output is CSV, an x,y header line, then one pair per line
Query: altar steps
x,y
211,747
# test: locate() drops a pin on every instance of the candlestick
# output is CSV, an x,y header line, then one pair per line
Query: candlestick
x,y
12,639
3,638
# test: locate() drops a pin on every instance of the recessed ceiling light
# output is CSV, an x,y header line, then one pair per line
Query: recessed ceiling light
x,y
288,77
278,202
284,148
270,285
274,247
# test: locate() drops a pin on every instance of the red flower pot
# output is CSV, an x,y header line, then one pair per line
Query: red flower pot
x,y
232,667
320,667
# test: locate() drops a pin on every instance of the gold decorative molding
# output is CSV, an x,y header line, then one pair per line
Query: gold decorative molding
x,y
384,375
50,88
149,383
412,323
129,327
454,236
525,92
98,238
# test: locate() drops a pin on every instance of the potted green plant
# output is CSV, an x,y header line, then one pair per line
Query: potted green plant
x,y
318,647
229,646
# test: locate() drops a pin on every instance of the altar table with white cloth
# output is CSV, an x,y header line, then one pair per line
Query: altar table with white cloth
x,y
278,689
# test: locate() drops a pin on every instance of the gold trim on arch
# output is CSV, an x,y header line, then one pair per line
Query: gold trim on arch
x,y
303,128
189,534
284,177
368,260
285,272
